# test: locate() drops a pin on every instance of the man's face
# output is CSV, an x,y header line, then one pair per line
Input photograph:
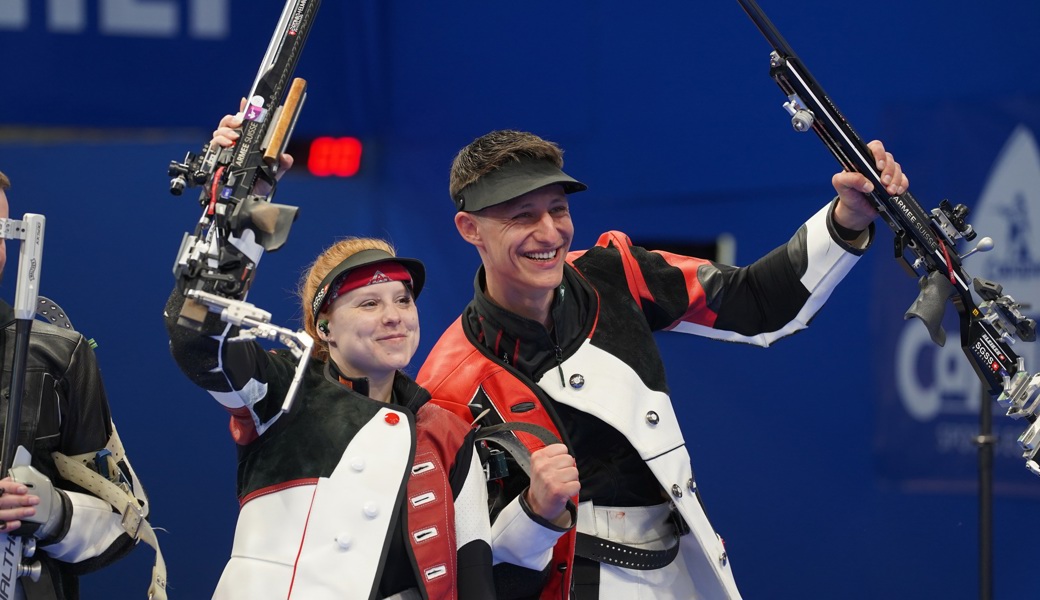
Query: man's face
x,y
524,244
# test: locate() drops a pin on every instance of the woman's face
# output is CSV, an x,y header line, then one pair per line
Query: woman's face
x,y
373,330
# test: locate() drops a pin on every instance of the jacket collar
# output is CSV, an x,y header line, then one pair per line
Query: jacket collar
x,y
406,393
524,343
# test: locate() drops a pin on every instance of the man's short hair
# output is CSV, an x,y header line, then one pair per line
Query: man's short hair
x,y
5,183
504,164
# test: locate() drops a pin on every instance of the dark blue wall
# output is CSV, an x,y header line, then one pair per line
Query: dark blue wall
x,y
665,110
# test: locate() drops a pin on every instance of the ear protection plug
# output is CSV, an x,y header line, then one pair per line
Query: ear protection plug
x,y
323,326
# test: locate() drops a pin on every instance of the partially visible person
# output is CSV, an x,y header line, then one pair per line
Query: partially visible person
x,y
364,489
65,419
564,340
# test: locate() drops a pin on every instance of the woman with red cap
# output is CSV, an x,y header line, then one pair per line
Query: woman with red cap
x,y
363,489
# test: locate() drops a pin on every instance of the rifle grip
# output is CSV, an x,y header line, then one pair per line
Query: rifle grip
x,y
930,304
290,111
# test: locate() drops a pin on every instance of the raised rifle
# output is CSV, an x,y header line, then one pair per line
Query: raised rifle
x,y
926,244
16,548
216,264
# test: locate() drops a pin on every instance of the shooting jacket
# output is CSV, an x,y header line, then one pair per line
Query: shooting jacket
x,y
65,410
597,379
343,493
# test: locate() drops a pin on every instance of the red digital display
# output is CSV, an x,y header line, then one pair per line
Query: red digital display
x,y
334,156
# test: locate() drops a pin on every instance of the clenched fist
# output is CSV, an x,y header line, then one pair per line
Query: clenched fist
x,y
554,481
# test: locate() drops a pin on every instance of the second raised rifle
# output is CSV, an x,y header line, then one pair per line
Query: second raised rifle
x,y
926,244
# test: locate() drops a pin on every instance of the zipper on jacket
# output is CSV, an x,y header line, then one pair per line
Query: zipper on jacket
x,y
559,355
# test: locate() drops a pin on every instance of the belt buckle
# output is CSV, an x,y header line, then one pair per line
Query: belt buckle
x,y
681,527
132,518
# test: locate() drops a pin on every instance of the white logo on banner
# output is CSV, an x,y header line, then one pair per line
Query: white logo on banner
x,y
207,19
931,380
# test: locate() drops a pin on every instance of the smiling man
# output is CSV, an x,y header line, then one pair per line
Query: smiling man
x,y
564,340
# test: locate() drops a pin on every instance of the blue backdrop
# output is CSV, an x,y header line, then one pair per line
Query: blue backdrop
x,y
820,471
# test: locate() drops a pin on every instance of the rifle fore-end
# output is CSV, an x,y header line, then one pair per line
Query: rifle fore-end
x,y
287,116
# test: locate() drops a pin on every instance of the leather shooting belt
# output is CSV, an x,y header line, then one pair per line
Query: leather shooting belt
x,y
644,538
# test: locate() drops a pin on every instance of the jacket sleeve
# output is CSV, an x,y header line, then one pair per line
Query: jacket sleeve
x,y
522,538
774,297
238,374
91,535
